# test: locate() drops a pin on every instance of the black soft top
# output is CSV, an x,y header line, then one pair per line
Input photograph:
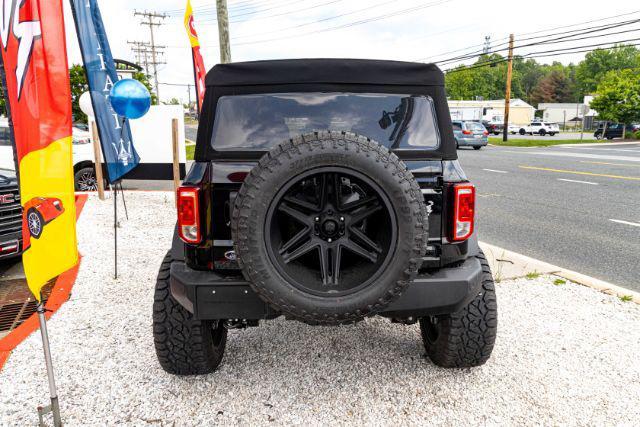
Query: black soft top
x,y
332,71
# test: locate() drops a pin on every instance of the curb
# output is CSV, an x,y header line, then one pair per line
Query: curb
x,y
520,265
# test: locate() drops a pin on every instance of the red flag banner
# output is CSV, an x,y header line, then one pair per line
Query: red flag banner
x,y
36,86
199,72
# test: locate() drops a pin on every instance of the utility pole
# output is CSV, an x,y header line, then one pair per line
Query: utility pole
x,y
141,50
152,20
507,95
487,45
223,31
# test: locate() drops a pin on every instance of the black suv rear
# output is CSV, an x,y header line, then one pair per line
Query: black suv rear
x,y
10,215
325,191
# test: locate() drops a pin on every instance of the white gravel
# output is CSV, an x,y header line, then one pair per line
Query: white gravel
x,y
565,355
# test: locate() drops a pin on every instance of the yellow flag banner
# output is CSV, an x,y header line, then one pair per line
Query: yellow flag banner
x,y
35,78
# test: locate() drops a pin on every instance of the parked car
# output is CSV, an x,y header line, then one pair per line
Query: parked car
x,y
614,130
513,129
540,128
10,215
469,134
323,193
493,127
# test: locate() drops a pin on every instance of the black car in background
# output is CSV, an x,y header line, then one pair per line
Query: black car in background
x,y
10,215
614,130
493,127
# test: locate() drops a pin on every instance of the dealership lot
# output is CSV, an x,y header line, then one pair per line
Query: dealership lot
x,y
561,353
575,206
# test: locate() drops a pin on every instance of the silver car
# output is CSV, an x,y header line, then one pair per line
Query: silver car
x,y
470,134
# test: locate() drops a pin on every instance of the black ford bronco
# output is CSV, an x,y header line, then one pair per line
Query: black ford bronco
x,y
325,191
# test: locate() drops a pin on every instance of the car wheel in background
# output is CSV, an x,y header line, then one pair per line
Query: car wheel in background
x,y
496,133
542,132
85,180
477,148
552,133
522,132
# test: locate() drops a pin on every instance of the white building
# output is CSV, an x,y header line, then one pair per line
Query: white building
x,y
567,114
492,110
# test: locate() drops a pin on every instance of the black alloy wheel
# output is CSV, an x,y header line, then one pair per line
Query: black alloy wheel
x,y
332,231
85,180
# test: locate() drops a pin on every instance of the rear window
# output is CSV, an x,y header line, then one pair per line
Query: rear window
x,y
259,122
475,126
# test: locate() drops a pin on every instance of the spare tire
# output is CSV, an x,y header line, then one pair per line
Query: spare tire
x,y
329,227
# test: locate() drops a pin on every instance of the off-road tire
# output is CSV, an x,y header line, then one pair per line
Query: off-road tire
x,y
315,150
464,339
184,345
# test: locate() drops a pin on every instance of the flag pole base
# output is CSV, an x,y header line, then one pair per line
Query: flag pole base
x,y
54,408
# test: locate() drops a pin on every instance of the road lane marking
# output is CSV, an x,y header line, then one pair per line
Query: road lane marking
x,y
630,178
635,224
607,163
579,182
583,155
606,149
494,170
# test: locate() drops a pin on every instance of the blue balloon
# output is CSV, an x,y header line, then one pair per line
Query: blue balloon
x,y
130,98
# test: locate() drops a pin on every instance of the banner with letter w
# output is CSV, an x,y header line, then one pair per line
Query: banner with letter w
x,y
115,135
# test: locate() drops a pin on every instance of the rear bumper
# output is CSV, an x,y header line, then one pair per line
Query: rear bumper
x,y
473,142
210,296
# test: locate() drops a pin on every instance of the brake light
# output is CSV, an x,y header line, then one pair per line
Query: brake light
x,y
188,214
464,202
485,133
466,132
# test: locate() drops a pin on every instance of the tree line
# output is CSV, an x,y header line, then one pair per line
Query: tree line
x,y
536,83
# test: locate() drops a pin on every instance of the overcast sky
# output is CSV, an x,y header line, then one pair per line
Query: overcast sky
x,y
399,29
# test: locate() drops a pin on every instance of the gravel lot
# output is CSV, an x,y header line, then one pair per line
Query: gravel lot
x,y
565,355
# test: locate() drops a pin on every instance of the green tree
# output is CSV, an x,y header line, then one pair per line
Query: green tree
x,y
599,62
618,96
79,86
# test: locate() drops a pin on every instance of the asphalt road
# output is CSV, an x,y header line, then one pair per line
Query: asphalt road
x,y
574,206
190,132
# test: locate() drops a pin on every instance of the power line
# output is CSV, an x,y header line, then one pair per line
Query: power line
x,y
562,39
350,24
545,53
531,32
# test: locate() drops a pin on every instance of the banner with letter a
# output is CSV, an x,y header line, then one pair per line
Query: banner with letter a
x,y
199,71
115,135
35,79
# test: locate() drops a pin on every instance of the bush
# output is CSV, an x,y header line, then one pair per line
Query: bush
x,y
636,135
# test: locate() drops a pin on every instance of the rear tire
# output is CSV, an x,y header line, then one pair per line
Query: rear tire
x,y
542,132
184,345
477,148
522,132
466,338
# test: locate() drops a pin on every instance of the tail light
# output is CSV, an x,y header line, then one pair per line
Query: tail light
x,y
485,133
467,132
464,203
188,214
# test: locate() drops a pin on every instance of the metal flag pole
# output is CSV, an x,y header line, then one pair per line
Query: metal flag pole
x,y
54,407
124,202
115,229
